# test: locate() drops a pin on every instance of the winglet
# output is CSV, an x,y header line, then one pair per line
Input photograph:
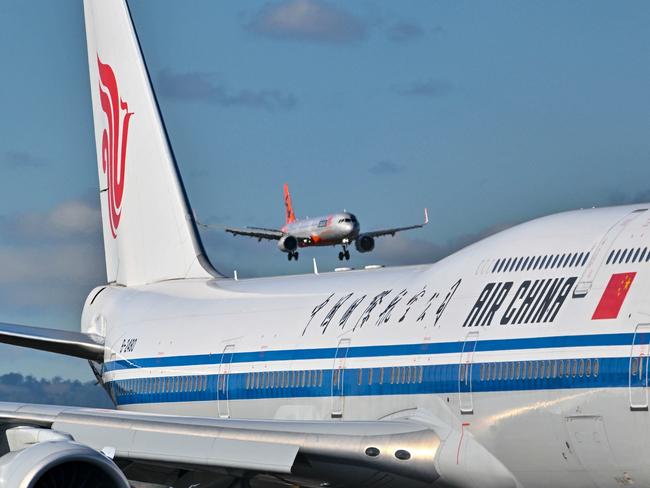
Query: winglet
x,y
315,266
426,216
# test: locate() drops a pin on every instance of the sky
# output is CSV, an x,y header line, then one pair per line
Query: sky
x,y
486,113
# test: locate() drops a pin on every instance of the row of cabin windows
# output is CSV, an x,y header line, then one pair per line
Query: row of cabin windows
x,y
618,256
168,384
283,379
551,261
532,370
398,375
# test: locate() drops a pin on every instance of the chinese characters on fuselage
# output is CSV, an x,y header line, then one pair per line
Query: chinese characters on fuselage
x,y
383,306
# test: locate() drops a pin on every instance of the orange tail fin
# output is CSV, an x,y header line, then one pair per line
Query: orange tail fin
x,y
291,217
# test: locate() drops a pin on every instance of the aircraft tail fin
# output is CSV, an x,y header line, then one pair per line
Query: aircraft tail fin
x,y
149,230
291,217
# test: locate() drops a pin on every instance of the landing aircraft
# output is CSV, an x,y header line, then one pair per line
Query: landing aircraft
x,y
519,361
340,229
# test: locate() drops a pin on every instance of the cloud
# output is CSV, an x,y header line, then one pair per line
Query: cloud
x,y
52,258
21,160
387,168
66,221
424,88
206,87
307,20
404,32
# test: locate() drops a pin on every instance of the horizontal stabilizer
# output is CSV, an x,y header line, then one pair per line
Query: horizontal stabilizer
x,y
65,342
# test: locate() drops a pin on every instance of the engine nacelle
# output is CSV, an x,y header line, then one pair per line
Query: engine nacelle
x,y
364,243
59,464
288,244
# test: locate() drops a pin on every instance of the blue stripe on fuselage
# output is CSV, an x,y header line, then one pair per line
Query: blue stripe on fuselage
x,y
622,339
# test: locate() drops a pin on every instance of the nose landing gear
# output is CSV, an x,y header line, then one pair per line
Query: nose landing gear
x,y
344,254
292,255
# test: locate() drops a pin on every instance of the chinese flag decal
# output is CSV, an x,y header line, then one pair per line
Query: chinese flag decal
x,y
613,296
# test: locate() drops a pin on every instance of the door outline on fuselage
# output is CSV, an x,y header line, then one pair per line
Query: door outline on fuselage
x,y
465,366
223,391
638,368
338,378
600,251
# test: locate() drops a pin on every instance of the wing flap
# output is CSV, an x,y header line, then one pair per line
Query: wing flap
x,y
310,450
76,344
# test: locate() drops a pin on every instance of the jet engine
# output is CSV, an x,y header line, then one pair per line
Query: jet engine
x,y
288,244
364,243
60,464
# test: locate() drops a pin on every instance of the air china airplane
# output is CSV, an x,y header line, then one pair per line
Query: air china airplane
x,y
340,229
519,361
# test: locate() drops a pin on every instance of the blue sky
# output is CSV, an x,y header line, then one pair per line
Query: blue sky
x,y
488,114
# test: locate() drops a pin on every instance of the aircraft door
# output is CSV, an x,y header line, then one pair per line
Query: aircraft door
x,y
465,367
638,374
223,405
338,374
599,253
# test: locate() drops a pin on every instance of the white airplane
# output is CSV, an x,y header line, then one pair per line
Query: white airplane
x,y
519,361
339,229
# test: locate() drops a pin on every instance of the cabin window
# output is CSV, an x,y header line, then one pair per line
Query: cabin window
x,y
574,368
645,249
518,370
588,368
320,378
420,374
496,265
581,368
501,266
636,254
596,368
381,376
585,259
360,378
625,253
370,376
482,371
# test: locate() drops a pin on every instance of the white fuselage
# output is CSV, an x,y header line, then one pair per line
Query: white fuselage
x,y
328,230
508,340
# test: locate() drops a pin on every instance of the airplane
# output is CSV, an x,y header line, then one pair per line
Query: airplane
x,y
339,229
519,361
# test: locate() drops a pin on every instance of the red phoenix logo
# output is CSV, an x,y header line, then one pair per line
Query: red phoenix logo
x,y
114,141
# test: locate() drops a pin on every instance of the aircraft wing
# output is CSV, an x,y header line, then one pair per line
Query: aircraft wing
x,y
257,232
395,230
70,343
324,453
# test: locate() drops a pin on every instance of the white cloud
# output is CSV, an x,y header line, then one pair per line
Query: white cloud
x,y
308,20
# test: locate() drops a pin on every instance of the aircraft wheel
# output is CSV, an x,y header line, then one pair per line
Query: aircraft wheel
x,y
295,255
290,256
341,256
347,255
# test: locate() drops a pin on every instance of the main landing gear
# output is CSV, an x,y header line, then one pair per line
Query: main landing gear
x,y
292,255
344,254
